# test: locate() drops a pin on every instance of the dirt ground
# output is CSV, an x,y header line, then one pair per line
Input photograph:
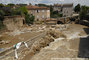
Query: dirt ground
x,y
62,41
71,46
8,39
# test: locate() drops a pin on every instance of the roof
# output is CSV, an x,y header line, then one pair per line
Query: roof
x,y
67,5
57,5
37,8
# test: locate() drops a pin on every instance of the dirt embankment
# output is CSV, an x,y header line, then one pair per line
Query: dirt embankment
x,y
9,38
73,46
51,34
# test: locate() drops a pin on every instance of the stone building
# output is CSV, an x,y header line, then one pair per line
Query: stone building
x,y
40,13
13,22
67,10
57,7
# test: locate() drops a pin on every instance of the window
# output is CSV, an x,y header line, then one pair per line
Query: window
x,y
42,16
42,10
37,11
31,12
37,19
64,11
37,16
48,10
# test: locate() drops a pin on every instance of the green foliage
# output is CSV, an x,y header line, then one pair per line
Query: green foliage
x,y
22,10
29,19
77,8
1,25
83,13
1,15
10,5
8,10
42,5
17,11
21,5
1,5
55,14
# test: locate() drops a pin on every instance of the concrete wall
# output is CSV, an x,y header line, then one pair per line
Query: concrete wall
x,y
14,22
40,14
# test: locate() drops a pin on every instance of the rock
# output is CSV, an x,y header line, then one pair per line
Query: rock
x,y
4,42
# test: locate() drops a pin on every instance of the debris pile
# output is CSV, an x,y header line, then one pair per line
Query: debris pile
x,y
15,32
55,33
4,41
45,41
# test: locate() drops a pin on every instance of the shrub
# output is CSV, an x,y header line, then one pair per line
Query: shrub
x,y
29,19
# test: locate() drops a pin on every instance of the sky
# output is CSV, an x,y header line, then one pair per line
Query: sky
x,y
75,2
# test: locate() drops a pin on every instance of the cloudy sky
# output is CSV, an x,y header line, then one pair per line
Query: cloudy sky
x,y
82,2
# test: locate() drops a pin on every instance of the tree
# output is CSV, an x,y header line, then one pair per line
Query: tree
x,y
29,19
77,8
83,12
2,13
22,10
1,5
1,18
42,5
1,25
11,5
18,11
51,11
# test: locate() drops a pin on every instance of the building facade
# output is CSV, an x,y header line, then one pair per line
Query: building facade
x,y
65,9
57,7
40,13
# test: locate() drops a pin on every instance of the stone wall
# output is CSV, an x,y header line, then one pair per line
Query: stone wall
x,y
13,22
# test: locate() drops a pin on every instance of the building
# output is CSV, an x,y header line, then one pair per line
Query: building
x,y
13,22
40,13
67,10
57,7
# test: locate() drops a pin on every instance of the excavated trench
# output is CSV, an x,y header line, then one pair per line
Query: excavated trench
x,y
51,35
67,43
59,45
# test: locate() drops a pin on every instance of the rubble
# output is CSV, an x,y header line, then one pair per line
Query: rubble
x,y
15,32
59,41
4,42
55,33
45,41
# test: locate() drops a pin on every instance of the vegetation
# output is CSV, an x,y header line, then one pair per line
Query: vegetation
x,y
54,14
1,25
84,13
2,15
42,5
1,18
77,8
12,10
29,19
